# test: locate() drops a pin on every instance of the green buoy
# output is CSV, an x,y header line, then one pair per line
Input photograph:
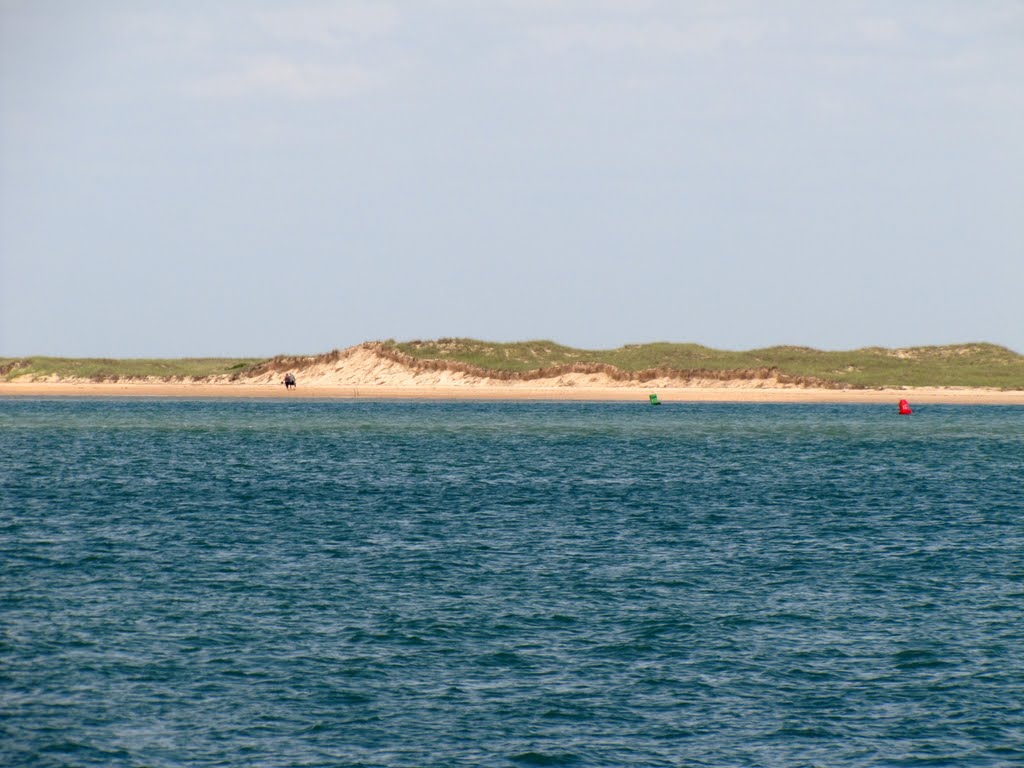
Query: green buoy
x,y
655,400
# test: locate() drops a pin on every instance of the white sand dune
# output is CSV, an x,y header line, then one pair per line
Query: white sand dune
x,y
364,366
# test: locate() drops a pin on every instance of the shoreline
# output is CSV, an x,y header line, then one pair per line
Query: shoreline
x,y
733,394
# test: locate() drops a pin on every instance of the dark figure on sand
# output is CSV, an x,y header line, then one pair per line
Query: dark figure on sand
x,y
289,381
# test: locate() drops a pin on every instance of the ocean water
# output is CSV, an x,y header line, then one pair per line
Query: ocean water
x,y
351,583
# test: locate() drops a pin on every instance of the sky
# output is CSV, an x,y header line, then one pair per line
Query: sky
x,y
250,178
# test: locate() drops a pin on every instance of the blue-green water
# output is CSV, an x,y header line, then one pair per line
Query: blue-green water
x,y
275,583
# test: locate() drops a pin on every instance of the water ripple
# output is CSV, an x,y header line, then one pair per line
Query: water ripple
x,y
509,584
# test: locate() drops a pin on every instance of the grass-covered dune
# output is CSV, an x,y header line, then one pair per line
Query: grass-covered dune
x,y
103,369
954,365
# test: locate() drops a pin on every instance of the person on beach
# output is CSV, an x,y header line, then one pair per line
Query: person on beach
x,y
289,381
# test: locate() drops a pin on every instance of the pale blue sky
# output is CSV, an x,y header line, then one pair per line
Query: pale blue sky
x,y
252,178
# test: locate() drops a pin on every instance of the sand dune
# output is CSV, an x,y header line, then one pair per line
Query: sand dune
x,y
362,372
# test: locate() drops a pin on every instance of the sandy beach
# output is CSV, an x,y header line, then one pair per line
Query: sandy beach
x,y
739,394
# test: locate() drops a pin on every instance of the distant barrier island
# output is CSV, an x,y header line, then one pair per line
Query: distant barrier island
x,y
546,363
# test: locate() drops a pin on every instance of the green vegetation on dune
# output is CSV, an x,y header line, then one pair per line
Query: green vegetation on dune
x,y
101,369
955,365
963,365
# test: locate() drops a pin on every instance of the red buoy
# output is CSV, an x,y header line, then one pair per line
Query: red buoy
x,y
905,408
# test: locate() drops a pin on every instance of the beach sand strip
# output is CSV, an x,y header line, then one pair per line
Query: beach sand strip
x,y
732,394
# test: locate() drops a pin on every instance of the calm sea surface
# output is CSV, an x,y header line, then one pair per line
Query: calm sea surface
x,y
348,583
